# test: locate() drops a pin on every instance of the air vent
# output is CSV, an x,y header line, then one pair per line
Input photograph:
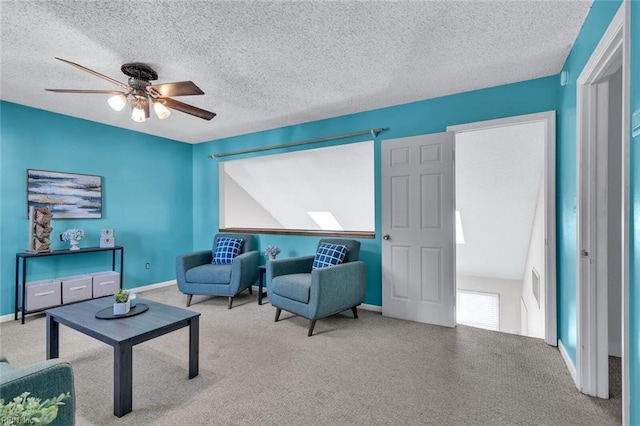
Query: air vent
x,y
535,285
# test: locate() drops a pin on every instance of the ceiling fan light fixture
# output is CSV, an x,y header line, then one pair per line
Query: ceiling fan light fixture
x,y
141,92
161,111
137,111
117,102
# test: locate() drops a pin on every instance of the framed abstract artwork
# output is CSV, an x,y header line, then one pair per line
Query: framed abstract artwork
x,y
68,195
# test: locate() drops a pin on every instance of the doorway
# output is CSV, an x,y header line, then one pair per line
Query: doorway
x,y
501,257
500,198
602,214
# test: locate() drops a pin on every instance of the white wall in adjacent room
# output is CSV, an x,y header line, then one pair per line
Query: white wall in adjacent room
x,y
535,262
509,291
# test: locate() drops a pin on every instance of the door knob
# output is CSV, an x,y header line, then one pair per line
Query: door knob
x,y
385,237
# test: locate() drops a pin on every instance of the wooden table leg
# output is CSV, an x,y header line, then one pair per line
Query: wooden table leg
x,y
194,346
122,378
53,339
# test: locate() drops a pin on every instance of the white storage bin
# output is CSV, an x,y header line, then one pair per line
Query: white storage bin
x,y
76,288
42,294
105,283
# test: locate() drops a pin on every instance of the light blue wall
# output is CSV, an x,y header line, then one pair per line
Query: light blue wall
x,y
147,195
592,30
428,116
634,255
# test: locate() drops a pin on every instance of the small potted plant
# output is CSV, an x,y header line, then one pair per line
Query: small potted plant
x,y
74,236
121,306
27,410
271,252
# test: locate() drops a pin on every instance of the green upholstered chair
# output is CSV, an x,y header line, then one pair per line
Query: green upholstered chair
x,y
44,380
293,284
196,274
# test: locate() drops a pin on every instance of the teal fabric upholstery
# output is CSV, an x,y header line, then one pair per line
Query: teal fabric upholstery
x,y
43,380
197,275
294,286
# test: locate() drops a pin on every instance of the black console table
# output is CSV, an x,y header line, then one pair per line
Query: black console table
x,y
22,272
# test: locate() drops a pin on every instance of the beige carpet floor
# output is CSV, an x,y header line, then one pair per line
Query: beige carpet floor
x,y
370,371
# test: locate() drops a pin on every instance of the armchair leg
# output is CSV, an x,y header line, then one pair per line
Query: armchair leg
x,y
278,310
189,296
312,324
355,312
251,289
230,301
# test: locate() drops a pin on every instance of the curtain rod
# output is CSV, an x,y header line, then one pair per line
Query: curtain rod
x,y
373,132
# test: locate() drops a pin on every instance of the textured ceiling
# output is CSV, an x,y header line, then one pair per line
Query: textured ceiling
x,y
498,178
265,65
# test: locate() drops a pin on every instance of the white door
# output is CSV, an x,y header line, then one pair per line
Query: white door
x,y
418,247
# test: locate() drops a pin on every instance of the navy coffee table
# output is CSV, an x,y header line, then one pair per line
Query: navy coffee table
x,y
123,334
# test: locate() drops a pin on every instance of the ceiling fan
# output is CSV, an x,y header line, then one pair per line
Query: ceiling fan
x,y
143,93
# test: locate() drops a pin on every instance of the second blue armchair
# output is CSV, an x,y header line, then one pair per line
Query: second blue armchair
x,y
313,293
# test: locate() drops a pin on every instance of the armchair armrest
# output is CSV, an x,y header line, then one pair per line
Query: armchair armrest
x,y
184,262
292,265
191,260
43,380
245,271
337,288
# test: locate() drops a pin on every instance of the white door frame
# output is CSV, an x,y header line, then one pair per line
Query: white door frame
x,y
549,119
612,50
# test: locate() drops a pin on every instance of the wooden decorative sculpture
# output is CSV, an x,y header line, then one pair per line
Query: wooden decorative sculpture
x,y
39,229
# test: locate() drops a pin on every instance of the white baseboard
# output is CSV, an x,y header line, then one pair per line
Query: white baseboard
x,y
615,349
6,318
142,289
374,308
567,360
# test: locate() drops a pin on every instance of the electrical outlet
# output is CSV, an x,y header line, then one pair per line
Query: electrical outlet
x,y
147,265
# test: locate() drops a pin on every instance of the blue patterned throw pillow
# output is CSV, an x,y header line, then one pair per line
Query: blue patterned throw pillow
x,y
329,255
226,250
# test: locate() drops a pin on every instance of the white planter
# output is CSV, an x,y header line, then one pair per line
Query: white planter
x,y
121,308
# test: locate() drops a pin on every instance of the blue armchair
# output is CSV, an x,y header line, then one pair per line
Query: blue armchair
x,y
196,274
43,380
294,286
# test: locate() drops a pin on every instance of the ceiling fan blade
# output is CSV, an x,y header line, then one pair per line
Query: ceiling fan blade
x,y
111,92
97,74
188,109
179,88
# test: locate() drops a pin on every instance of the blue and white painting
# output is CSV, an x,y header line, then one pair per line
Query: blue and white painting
x,y
68,195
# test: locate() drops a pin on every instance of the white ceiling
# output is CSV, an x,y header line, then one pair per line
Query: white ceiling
x,y
498,177
268,64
